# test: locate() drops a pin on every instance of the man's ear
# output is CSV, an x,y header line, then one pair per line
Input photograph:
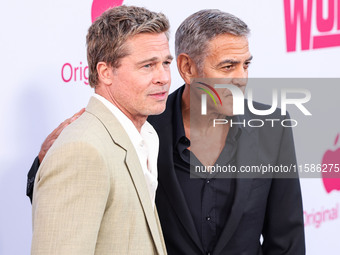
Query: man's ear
x,y
186,67
104,73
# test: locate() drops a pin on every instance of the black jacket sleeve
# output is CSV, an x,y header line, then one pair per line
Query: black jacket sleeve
x,y
30,178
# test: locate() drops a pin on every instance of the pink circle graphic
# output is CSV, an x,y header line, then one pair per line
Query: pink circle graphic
x,y
99,6
331,167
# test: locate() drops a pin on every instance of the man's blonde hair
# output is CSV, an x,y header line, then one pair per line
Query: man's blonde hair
x,y
107,36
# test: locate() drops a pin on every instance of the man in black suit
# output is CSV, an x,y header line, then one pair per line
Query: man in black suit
x,y
212,215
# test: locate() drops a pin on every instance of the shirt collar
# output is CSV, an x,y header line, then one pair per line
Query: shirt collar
x,y
178,126
135,137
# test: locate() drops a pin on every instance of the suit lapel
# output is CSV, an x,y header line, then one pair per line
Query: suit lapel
x,y
138,179
160,229
168,180
246,156
121,138
166,173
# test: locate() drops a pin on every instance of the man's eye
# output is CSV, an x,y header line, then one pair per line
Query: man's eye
x,y
147,66
228,67
247,64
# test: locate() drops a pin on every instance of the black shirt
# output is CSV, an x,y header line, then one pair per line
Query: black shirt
x,y
211,205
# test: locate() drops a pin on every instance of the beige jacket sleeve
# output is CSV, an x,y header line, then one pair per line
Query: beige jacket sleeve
x,y
70,197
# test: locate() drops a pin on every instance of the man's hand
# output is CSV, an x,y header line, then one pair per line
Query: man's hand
x,y
54,135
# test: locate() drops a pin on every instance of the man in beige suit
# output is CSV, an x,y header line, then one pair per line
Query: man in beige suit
x,y
94,192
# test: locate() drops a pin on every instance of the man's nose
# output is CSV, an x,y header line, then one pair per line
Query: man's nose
x,y
240,77
161,75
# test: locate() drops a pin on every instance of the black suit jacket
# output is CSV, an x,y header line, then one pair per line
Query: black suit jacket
x,y
271,207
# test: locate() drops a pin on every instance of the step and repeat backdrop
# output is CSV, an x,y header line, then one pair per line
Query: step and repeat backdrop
x,y
44,79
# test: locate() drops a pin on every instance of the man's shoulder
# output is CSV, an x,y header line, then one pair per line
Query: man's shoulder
x,y
87,131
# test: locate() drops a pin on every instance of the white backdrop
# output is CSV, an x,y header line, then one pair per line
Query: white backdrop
x,y
39,37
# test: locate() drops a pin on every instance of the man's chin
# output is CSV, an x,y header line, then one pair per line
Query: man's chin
x,y
157,110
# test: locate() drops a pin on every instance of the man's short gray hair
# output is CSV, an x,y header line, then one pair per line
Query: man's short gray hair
x,y
195,32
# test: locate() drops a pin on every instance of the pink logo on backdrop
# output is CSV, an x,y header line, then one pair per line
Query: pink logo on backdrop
x,y
99,6
331,180
331,167
77,72
317,217
302,15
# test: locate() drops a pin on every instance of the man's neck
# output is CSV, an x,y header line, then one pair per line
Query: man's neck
x,y
137,120
203,124
202,134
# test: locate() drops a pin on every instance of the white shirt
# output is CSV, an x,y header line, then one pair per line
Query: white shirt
x,y
146,144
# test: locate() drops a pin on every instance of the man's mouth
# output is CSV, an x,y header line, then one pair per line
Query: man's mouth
x,y
159,95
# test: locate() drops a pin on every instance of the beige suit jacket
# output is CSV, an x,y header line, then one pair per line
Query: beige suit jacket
x,y
90,195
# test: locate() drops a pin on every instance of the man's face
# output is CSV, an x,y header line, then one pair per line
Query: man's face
x,y
141,82
229,58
